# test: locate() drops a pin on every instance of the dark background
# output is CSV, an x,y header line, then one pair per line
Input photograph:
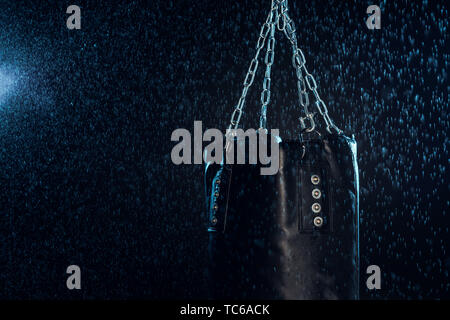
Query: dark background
x,y
86,118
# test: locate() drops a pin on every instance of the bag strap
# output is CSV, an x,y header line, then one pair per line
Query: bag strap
x,y
278,18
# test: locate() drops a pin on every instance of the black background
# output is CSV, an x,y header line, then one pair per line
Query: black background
x,y
85,171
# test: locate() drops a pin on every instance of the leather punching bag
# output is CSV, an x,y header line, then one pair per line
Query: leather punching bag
x,y
295,234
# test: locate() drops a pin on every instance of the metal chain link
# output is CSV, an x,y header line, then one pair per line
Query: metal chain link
x,y
279,18
299,63
237,113
269,59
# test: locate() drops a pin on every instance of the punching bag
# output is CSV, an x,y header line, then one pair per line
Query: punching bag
x,y
294,234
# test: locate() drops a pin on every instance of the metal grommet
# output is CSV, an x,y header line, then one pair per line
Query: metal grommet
x,y
218,181
318,221
316,207
216,194
315,179
215,207
316,193
214,221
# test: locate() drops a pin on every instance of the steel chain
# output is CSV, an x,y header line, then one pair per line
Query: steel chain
x,y
279,18
299,63
269,59
250,76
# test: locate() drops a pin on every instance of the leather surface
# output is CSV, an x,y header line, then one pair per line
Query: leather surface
x,y
263,243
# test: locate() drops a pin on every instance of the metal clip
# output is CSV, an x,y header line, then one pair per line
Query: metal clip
x,y
311,122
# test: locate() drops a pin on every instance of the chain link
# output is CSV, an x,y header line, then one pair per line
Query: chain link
x,y
299,63
250,76
269,59
278,18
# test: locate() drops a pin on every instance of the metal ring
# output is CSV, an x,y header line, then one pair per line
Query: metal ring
x,y
316,207
318,221
316,193
315,179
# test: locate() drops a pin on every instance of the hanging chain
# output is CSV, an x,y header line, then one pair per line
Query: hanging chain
x,y
269,58
237,113
279,18
298,60
299,63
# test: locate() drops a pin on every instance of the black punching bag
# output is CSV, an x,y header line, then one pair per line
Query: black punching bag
x,y
294,234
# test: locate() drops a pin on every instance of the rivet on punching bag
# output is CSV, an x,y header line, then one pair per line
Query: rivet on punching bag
x,y
294,234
